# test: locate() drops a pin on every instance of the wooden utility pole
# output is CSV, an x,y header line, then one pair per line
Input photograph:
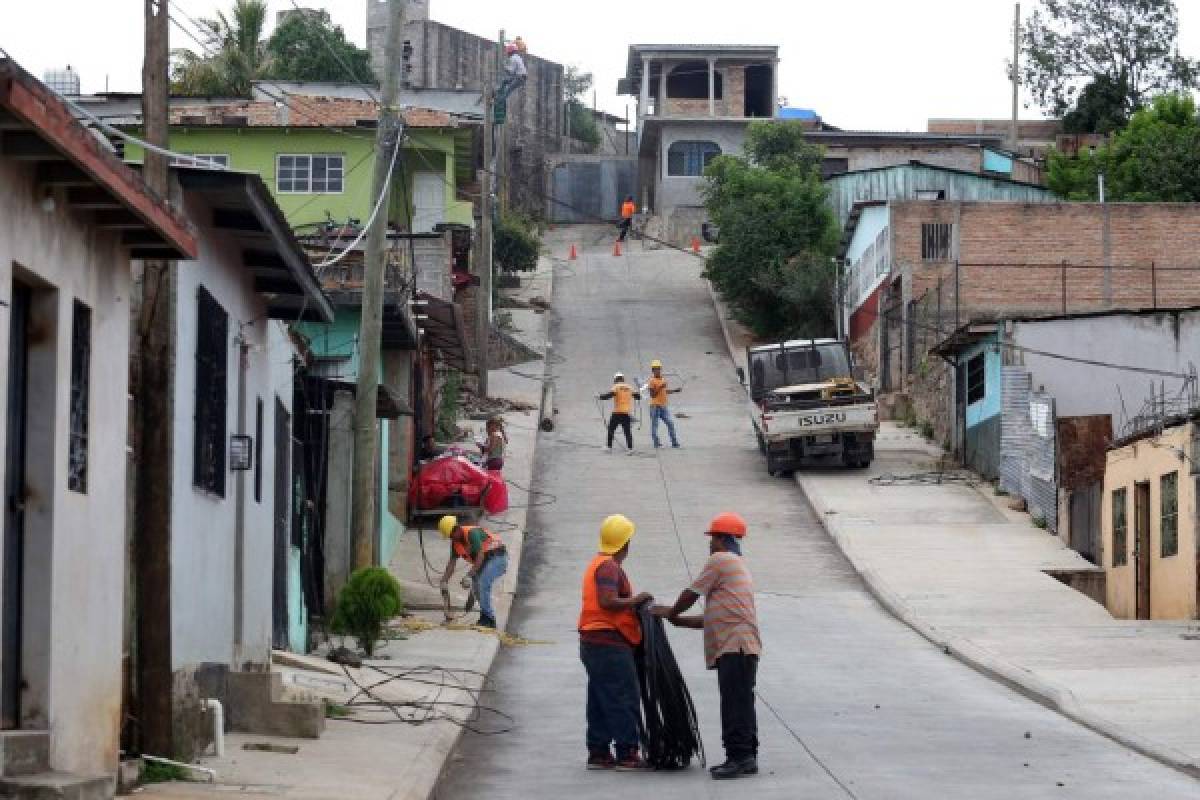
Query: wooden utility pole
x,y
483,301
1016,77
153,322
500,146
387,140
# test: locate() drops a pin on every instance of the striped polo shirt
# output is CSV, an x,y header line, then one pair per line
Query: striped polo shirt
x,y
730,621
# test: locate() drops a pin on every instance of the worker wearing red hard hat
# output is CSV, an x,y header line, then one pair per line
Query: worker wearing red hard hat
x,y
731,641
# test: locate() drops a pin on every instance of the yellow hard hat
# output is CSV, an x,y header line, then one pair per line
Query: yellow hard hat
x,y
615,533
447,524
656,364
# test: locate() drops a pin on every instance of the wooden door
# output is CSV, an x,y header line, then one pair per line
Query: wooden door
x,y
1141,551
283,519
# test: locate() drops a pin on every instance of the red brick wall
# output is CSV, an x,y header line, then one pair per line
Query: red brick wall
x,y
1032,240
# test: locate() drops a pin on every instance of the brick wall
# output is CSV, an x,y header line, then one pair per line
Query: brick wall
x,y
731,103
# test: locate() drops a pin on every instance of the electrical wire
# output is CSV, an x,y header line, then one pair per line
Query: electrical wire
x,y
670,730
387,185
428,709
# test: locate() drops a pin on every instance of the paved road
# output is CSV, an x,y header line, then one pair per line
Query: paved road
x,y
859,705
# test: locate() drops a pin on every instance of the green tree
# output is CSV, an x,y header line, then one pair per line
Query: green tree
x,y
234,53
1100,108
774,263
1156,158
584,130
307,46
1131,44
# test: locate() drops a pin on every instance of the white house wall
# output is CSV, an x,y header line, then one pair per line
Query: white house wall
x,y
675,191
1161,341
75,541
203,537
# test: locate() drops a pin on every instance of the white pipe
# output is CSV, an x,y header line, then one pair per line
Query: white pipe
x,y
211,773
214,705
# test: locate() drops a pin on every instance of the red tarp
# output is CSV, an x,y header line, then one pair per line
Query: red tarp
x,y
454,481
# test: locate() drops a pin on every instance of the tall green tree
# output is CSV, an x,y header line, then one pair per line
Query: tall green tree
x,y
1099,108
1130,45
233,56
584,129
307,46
774,263
1156,158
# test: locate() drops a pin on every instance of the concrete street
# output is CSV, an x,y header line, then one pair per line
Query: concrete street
x,y
853,703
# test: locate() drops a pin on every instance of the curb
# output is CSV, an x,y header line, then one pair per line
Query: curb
x,y
516,548
1019,679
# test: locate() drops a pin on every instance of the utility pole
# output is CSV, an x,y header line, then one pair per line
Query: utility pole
x,y
487,182
387,138
150,369
500,146
1016,77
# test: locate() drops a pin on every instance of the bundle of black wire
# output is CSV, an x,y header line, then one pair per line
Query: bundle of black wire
x,y
670,733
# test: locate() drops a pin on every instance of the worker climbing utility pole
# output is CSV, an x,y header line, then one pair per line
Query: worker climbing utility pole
x,y
387,138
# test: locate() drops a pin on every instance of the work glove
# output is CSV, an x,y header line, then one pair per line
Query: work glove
x,y
466,582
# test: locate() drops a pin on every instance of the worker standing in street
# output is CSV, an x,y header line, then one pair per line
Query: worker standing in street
x,y
609,630
658,390
731,640
622,395
628,209
488,557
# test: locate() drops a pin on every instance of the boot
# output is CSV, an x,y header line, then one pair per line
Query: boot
x,y
734,768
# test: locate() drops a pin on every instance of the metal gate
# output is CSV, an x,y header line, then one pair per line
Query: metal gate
x,y
1028,445
590,188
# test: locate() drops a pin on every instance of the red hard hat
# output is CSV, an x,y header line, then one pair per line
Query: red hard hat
x,y
510,49
728,523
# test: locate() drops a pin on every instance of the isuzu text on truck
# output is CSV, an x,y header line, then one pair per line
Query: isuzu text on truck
x,y
807,408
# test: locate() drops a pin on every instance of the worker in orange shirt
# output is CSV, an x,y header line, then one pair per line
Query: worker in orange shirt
x,y
658,390
622,395
628,209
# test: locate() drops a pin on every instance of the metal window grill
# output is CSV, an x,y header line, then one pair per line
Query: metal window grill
x,y
1120,544
1169,501
212,356
81,359
935,240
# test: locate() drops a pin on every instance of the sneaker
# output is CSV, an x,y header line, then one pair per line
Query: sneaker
x,y
486,621
657,445
632,763
601,761
675,445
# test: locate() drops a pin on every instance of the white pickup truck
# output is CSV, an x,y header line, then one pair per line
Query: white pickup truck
x,y
806,407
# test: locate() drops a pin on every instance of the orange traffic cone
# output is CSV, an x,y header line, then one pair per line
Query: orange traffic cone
x,y
617,247
573,254
695,246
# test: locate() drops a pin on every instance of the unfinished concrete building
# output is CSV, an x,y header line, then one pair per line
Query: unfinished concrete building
x,y
437,56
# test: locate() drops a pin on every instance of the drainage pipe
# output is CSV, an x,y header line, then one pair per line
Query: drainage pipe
x,y
214,705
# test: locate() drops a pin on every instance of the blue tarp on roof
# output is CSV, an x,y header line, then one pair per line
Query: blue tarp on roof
x,y
797,113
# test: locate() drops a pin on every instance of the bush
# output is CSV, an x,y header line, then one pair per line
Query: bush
x,y
517,243
369,599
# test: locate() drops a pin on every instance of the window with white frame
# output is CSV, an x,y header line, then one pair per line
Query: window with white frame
x,y
309,174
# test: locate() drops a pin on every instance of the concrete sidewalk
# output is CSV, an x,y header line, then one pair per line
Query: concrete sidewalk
x,y
971,576
397,761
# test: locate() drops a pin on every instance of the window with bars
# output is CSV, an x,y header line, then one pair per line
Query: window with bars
x,y
309,174
688,159
1168,488
1120,528
935,240
81,361
976,379
212,362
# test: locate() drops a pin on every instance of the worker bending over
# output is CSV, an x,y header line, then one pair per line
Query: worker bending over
x,y
658,390
609,630
731,640
622,395
486,554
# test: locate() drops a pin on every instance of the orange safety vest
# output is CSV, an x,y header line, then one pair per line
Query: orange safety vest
x,y
594,618
628,210
622,398
461,541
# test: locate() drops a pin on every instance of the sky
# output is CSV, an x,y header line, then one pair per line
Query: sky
x,y
861,64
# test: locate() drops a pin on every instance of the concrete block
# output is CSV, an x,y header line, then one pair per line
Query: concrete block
x,y
56,786
24,752
254,705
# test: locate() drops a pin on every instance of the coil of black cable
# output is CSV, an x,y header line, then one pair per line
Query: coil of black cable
x,y
670,731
